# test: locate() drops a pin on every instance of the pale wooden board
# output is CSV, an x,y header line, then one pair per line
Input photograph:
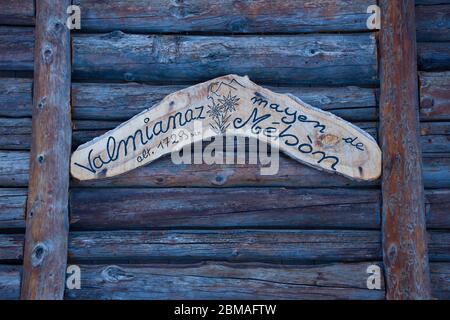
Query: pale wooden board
x,y
231,105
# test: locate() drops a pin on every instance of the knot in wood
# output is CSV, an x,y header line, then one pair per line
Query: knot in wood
x,y
40,251
41,104
47,54
116,274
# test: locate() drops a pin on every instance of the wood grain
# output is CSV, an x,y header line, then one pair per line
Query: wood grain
x,y
433,56
403,216
10,276
211,280
12,208
16,48
110,209
115,209
47,226
226,16
237,245
320,59
435,96
162,173
233,245
433,23
114,101
17,12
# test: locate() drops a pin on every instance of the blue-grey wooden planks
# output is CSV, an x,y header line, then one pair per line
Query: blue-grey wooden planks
x,y
299,59
226,281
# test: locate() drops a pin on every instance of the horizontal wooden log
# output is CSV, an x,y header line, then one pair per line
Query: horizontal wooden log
x,y
191,208
106,101
433,56
279,246
16,48
227,16
10,277
330,59
303,59
14,168
11,247
438,209
12,208
439,245
100,101
440,280
234,245
248,207
15,133
15,97
433,23
226,281
435,96
93,209
163,173
17,12
113,101
435,137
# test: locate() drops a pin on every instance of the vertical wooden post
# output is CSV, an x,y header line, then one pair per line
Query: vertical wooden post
x,y
404,230
45,255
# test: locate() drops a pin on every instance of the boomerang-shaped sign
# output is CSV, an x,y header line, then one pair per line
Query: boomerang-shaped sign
x,y
231,105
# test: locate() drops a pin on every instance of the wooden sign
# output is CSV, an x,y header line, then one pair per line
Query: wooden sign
x,y
231,105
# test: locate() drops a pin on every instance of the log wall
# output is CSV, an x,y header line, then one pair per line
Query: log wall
x,y
222,228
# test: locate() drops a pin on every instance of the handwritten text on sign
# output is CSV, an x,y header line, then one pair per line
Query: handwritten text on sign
x,y
231,105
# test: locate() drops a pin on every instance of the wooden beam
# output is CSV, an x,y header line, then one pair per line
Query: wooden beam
x,y
403,214
45,255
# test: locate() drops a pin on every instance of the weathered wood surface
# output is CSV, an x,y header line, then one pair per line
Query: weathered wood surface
x,y
102,101
302,59
235,106
162,58
15,97
12,208
11,247
439,245
162,173
10,276
199,208
47,226
234,245
16,48
435,96
328,281
405,253
278,246
109,101
17,12
226,281
14,168
433,56
228,16
440,278
183,208
433,23
438,208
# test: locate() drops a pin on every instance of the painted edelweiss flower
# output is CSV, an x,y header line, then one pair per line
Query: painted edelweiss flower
x,y
215,110
229,103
